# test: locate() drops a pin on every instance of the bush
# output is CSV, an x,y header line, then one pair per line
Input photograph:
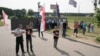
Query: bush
x,y
98,39
1,23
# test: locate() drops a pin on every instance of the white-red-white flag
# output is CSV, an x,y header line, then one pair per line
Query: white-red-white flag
x,y
43,19
5,18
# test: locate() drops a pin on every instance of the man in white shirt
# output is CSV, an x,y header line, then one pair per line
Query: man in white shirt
x,y
19,38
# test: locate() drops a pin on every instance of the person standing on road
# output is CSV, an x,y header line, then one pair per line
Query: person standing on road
x,y
39,30
84,27
61,26
81,26
56,36
89,27
29,38
19,38
75,28
92,27
64,28
31,25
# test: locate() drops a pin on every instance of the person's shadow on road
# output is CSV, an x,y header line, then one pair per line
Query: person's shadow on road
x,y
78,52
62,52
33,54
43,38
23,54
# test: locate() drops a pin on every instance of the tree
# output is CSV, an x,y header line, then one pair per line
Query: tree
x,y
7,10
23,12
98,17
18,13
30,12
97,12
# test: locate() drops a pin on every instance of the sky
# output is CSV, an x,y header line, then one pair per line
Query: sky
x,y
83,6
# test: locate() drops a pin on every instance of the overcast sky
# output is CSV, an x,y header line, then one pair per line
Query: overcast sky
x,y
83,6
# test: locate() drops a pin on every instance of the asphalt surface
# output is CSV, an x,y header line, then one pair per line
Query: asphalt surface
x,y
44,46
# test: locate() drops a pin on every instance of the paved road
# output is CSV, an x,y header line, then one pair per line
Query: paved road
x,y
44,47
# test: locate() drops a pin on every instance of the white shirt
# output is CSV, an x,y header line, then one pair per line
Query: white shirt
x,y
18,32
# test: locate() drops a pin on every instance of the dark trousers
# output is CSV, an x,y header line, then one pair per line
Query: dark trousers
x,y
55,42
76,30
88,29
19,42
29,40
39,33
64,32
84,30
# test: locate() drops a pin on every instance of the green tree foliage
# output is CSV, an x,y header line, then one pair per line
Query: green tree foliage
x,y
7,10
97,11
98,39
19,13
1,23
15,13
98,16
23,12
30,12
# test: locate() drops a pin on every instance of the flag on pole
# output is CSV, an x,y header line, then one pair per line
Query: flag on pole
x,y
5,18
73,3
52,6
43,19
57,14
57,11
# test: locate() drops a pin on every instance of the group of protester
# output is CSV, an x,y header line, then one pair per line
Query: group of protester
x,y
18,32
78,26
63,26
50,23
90,27
83,26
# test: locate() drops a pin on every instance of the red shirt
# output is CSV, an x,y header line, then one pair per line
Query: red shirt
x,y
75,25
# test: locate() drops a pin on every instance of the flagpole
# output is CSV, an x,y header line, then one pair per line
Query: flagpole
x,y
38,12
57,14
79,8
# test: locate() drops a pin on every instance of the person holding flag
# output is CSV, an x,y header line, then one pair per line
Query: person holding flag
x,y
42,21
